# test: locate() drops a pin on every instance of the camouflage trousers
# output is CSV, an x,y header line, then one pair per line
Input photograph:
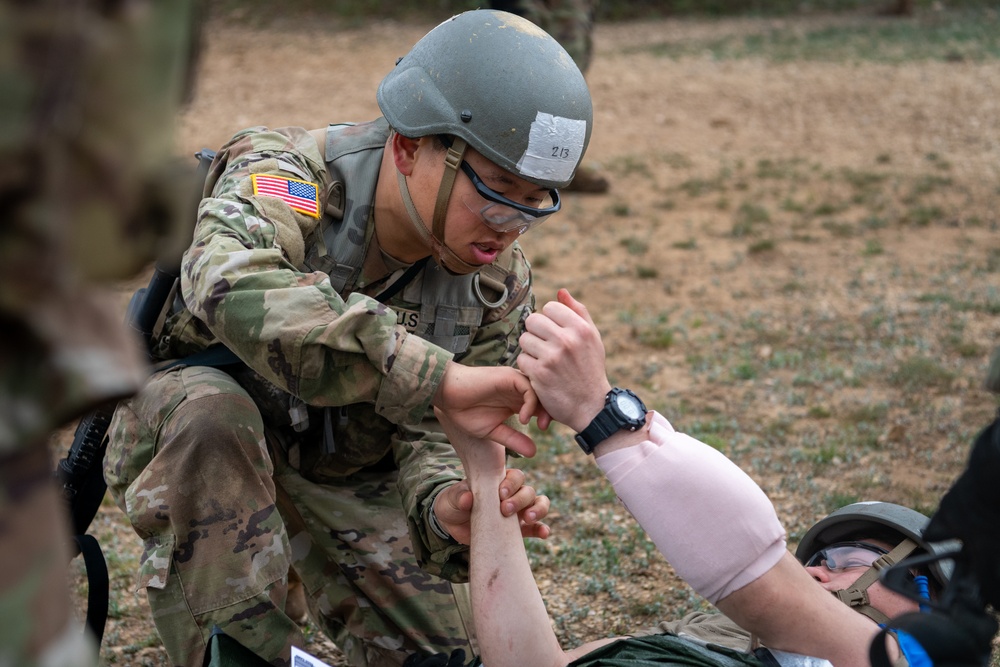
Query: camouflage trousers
x,y
570,22
223,517
36,626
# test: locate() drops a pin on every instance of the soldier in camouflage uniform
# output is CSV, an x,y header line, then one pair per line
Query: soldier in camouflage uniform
x,y
359,274
88,94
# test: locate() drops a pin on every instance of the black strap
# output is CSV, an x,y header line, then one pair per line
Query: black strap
x,y
403,280
97,583
455,659
216,356
767,658
960,638
224,651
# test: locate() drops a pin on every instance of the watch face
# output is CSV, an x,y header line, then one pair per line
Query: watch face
x,y
629,407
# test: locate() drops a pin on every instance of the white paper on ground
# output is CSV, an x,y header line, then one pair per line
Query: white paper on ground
x,y
302,659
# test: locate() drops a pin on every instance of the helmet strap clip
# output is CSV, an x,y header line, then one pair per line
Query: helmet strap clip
x,y
857,595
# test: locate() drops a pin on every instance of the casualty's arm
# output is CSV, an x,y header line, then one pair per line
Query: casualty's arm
x,y
705,515
511,622
720,532
774,606
709,519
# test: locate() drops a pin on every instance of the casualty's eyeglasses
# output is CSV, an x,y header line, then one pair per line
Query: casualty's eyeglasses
x,y
845,555
506,215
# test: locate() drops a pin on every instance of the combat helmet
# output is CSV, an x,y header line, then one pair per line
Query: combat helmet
x,y
896,524
500,83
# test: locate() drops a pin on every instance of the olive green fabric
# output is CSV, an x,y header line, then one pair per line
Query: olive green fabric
x,y
665,649
224,651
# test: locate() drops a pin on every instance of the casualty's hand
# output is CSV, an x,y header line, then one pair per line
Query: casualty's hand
x,y
562,354
484,462
478,399
453,506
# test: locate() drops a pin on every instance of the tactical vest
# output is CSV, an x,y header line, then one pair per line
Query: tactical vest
x,y
452,306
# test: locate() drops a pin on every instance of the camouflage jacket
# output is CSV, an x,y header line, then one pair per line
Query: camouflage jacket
x,y
249,281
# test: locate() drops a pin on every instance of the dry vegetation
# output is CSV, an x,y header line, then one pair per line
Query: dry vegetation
x,y
798,263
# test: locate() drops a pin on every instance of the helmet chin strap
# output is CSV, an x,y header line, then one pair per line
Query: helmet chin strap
x,y
443,255
856,596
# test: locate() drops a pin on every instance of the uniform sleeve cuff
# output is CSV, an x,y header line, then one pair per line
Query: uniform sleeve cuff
x,y
413,379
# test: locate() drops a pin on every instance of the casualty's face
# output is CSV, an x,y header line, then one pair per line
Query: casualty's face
x,y
843,577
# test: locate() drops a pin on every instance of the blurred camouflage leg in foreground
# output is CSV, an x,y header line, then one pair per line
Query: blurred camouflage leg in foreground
x,y
88,94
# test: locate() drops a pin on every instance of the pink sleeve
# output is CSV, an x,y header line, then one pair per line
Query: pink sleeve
x,y
712,522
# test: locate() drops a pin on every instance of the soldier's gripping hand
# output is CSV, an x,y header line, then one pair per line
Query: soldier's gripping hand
x,y
563,355
453,506
479,399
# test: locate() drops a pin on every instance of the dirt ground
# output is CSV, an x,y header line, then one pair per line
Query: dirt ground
x,y
796,262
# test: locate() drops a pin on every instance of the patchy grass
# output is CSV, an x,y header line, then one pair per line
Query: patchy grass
x,y
822,316
972,35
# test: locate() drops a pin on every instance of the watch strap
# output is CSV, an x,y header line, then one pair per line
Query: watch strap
x,y
610,420
600,429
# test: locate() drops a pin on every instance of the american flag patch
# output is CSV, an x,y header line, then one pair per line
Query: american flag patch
x,y
302,196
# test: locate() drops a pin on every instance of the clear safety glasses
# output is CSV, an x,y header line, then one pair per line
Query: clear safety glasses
x,y
506,215
845,555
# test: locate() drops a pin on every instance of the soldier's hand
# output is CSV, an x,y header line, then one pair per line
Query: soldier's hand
x,y
478,400
453,507
562,354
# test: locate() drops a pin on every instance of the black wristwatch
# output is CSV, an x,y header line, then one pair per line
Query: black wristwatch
x,y
623,411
